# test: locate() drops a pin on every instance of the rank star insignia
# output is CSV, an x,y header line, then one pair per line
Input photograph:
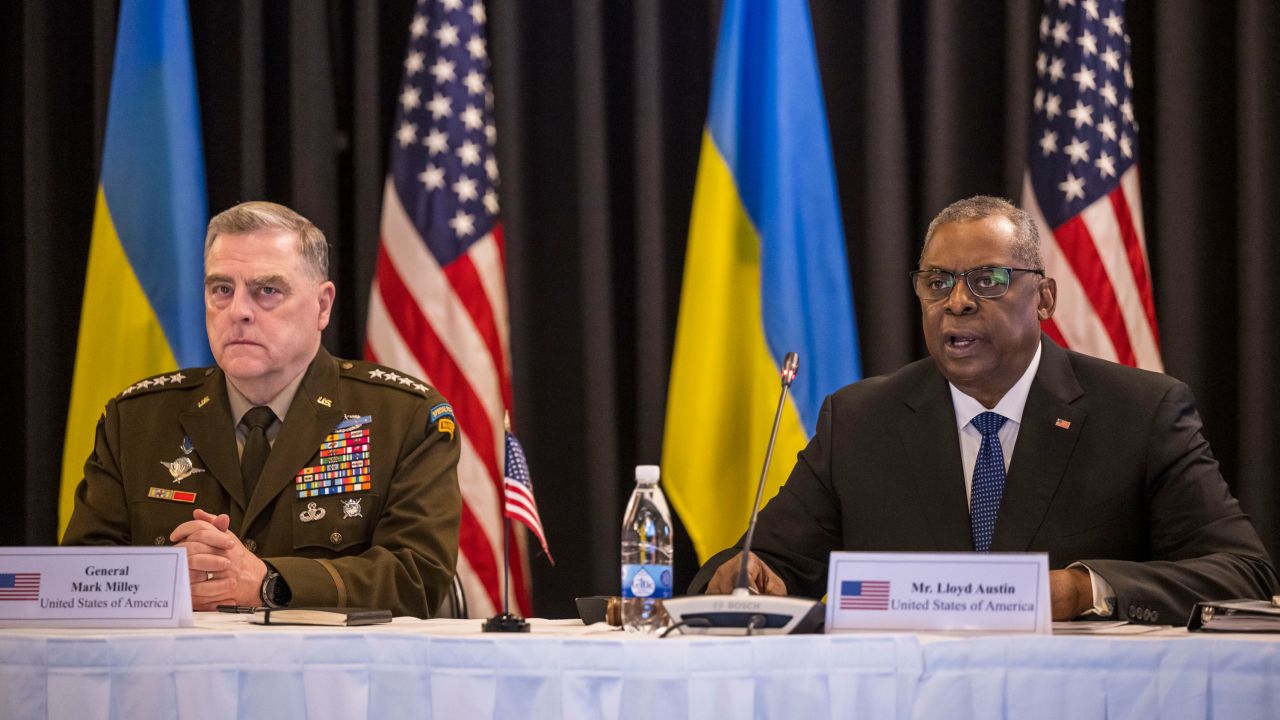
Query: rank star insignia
x,y
181,468
351,508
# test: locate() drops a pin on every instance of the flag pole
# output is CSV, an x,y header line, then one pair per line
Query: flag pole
x,y
505,621
506,564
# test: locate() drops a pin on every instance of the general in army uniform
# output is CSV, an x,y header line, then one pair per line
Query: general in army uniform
x,y
291,477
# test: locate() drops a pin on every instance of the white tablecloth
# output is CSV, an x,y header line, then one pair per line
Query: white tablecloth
x,y
448,669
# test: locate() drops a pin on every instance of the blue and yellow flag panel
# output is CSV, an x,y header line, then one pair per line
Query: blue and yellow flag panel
x,y
142,312
765,274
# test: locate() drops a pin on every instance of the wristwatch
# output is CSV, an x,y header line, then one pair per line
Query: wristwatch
x,y
275,591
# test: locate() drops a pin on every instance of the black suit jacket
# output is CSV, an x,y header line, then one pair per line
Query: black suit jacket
x,y
1110,469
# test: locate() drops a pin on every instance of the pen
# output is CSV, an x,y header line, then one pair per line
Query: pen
x,y
243,609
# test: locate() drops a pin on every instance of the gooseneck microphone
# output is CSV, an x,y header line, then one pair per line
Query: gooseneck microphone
x,y
790,364
743,612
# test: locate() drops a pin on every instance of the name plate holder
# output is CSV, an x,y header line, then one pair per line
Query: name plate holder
x,y
103,587
947,592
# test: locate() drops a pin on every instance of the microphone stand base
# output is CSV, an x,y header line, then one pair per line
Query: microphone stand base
x,y
506,623
746,614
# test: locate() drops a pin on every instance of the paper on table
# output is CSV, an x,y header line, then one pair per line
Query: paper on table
x,y
1103,627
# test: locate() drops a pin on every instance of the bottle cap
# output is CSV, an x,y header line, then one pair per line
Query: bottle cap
x,y
647,474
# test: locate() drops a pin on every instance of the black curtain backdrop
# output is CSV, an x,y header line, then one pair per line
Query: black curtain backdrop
x,y
600,109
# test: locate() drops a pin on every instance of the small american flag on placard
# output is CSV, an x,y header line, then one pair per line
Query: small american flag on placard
x,y
20,586
864,594
518,486
438,305
1082,185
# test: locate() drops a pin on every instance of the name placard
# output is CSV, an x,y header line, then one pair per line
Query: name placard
x,y
78,587
1004,592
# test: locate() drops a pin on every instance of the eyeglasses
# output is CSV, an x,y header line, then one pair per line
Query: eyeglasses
x,y
983,282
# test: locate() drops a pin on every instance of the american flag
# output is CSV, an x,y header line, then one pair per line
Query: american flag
x,y
1082,186
519,503
438,305
864,594
19,586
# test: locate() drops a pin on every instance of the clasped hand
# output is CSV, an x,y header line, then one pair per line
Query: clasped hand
x,y
222,570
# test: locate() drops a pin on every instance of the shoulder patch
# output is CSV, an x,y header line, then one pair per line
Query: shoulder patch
x,y
385,376
187,377
442,416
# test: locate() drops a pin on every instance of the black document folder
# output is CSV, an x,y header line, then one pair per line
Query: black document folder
x,y
1242,616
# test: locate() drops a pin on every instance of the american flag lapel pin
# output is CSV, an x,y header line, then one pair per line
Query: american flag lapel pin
x,y
1064,424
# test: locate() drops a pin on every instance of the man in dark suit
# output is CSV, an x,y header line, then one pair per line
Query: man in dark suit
x,y
290,476
1001,440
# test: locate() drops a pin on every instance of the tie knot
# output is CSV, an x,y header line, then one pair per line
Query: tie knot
x,y
259,417
988,423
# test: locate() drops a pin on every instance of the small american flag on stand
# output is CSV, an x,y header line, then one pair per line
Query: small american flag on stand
x,y
518,486
864,595
1082,184
20,586
438,305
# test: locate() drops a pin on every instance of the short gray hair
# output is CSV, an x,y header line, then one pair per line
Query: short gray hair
x,y
1026,244
250,217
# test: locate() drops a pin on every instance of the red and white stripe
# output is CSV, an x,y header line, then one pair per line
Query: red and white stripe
x,y
25,587
448,326
1105,304
521,506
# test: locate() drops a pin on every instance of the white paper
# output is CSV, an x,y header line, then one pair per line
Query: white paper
x,y
1103,627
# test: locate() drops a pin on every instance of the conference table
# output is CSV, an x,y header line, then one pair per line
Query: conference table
x,y
225,667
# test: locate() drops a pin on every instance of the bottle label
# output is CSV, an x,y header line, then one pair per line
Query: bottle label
x,y
642,581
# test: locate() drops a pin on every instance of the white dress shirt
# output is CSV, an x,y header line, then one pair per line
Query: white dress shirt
x,y
1011,407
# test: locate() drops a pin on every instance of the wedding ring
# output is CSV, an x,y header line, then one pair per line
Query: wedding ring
x,y
208,575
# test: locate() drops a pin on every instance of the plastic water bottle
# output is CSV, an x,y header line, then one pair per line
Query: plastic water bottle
x,y
646,555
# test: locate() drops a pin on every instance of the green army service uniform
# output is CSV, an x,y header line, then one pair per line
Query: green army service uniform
x,y
344,525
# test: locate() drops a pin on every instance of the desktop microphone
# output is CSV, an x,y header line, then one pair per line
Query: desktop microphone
x,y
743,612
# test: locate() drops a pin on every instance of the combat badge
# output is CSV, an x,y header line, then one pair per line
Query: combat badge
x,y
353,422
442,416
181,468
351,508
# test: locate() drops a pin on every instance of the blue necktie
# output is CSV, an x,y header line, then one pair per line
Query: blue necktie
x,y
988,481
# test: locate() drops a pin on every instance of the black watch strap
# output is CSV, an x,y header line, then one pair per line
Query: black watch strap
x,y
275,591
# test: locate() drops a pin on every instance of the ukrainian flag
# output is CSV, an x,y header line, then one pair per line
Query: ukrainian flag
x,y
765,273
143,299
